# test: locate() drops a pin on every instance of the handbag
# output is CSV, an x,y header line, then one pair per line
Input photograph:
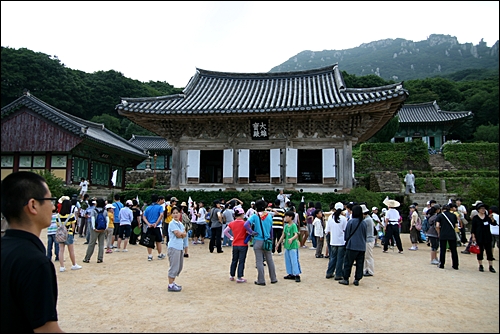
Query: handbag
x,y
474,248
268,243
62,231
147,239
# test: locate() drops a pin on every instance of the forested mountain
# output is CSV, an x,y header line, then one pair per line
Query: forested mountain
x,y
88,96
93,96
400,59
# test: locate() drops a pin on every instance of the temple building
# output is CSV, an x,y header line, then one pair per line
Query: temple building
x,y
37,136
292,130
426,121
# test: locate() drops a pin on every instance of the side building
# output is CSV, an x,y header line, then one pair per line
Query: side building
x,y
292,130
38,136
427,122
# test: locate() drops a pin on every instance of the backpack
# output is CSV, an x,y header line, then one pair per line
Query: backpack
x,y
62,231
418,224
100,222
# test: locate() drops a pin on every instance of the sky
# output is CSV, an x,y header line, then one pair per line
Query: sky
x,y
168,40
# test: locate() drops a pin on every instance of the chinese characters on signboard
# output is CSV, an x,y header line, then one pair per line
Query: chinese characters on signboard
x,y
260,130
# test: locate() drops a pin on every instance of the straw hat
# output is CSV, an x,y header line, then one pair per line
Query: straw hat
x,y
477,202
391,203
364,208
183,204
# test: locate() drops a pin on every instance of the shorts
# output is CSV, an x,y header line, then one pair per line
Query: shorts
x,y
116,229
434,243
69,240
124,231
156,232
303,228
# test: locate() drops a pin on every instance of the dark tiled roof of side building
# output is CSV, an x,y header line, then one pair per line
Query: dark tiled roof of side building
x,y
210,92
151,143
429,112
80,127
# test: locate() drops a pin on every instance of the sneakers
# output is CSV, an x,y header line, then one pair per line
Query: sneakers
x,y
85,261
117,249
241,280
125,250
465,252
231,278
62,269
76,267
280,253
289,276
435,261
413,248
492,269
161,256
297,278
481,268
150,258
344,282
109,250
356,282
174,288
312,248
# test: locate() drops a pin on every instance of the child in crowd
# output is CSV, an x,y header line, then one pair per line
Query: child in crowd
x,y
319,232
290,240
240,247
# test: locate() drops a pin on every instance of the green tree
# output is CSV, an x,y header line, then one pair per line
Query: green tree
x,y
111,123
385,134
488,133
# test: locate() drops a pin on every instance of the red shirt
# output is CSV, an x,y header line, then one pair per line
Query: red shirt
x,y
239,232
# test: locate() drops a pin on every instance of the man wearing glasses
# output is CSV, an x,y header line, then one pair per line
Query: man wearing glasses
x,y
29,283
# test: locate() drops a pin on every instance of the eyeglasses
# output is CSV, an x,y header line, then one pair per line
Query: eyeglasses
x,y
52,199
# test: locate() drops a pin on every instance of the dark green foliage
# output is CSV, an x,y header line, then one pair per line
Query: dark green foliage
x,y
392,157
356,195
472,156
81,94
56,184
385,134
487,133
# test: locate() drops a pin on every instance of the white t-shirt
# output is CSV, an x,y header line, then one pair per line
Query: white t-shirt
x,y
201,219
336,230
84,185
494,229
393,216
318,228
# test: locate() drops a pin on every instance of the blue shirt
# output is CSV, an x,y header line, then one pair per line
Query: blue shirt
x,y
153,212
267,224
117,207
174,242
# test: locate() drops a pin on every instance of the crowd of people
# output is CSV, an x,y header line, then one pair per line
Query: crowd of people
x,y
346,234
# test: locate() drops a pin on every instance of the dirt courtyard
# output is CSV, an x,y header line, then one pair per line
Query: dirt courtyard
x,y
126,293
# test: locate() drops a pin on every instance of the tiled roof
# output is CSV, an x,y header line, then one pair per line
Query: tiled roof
x,y
151,143
80,127
211,92
429,112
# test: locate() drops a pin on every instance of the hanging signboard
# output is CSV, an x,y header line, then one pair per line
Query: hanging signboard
x,y
259,129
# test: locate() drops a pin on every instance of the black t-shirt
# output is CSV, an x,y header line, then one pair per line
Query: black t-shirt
x,y
481,229
136,213
29,283
447,232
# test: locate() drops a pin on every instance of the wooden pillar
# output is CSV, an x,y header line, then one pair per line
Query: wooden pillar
x,y
176,164
347,164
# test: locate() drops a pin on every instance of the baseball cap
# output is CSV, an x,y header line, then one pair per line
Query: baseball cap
x,y
374,208
174,199
109,206
129,202
239,211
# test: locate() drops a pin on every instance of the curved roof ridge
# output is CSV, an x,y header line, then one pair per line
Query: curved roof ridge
x,y
152,98
267,75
